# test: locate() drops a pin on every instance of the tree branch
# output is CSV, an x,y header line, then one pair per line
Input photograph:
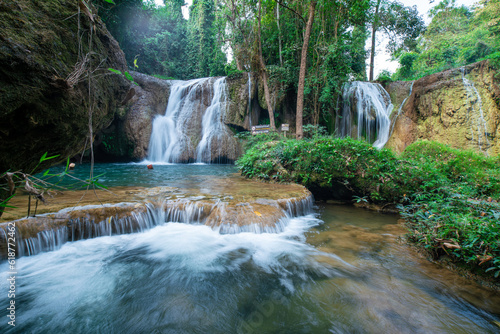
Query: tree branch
x,y
293,11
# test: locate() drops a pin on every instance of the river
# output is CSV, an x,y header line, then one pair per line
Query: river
x,y
338,269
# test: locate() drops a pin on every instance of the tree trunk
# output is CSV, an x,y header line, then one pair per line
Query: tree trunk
x,y
279,32
263,74
299,132
374,30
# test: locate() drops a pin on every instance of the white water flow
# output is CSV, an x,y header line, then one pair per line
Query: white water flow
x,y
250,99
365,113
401,109
214,131
345,274
475,112
192,128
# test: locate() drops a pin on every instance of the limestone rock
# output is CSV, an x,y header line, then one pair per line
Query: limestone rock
x,y
127,138
442,108
243,109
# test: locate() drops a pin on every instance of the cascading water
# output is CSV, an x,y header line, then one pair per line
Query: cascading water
x,y
400,109
365,113
250,100
475,113
343,274
193,129
214,132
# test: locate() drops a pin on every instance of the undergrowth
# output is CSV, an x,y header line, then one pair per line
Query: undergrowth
x,y
448,197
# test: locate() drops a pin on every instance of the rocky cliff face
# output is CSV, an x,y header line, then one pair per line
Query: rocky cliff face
x,y
459,107
53,79
127,138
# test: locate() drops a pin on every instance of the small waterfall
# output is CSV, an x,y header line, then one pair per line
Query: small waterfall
x,y
401,109
192,128
475,113
214,131
250,100
365,113
217,215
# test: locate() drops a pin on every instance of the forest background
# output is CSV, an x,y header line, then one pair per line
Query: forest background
x,y
309,48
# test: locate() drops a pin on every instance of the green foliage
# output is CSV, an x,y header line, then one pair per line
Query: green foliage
x,y
232,72
166,43
204,51
314,131
384,76
447,196
456,36
125,74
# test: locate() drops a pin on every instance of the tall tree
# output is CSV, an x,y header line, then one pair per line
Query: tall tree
x,y
374,31
204,47
401,24
262,70
299,131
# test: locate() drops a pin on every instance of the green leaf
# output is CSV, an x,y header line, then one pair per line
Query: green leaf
x,y
67,165
110,1
114,71
46,172
4,202
100,185
128,76
44,157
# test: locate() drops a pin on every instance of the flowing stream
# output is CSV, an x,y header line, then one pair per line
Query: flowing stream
x,y
337,269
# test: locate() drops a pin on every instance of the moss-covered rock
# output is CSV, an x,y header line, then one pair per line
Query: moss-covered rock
x,y
54,79
243,109
445,107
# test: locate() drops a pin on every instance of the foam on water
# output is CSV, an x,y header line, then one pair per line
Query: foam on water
x,y
112,274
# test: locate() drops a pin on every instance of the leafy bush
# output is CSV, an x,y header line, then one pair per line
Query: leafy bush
x,y
384,76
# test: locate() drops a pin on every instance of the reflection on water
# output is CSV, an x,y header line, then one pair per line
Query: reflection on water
x,y
342,271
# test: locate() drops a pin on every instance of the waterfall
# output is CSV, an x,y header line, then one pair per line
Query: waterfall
x,y
192,128
219,216
365,113
214,131
250,100
400,109
475,112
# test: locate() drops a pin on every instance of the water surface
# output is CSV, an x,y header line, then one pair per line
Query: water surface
x,y
340,270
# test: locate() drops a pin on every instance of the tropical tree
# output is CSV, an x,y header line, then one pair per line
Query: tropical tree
x,y
456,36
401,24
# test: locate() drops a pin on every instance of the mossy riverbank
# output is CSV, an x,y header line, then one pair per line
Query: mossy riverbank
x,y
448,198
